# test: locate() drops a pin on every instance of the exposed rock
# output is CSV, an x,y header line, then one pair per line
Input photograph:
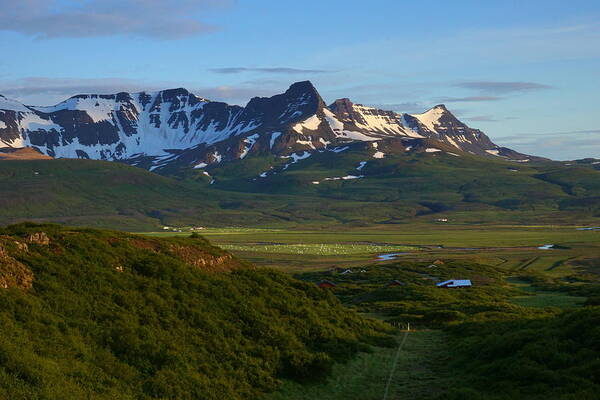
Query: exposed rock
x,y
13,273
22,247
201,259
23,153
39,238
191,255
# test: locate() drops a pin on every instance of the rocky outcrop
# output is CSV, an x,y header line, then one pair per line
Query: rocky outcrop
x,y
25,153
201,259
13,274
39,238
202,256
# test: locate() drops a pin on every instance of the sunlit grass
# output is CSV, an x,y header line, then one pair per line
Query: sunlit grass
x,y
323,249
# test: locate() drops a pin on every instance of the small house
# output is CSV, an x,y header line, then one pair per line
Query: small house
x,y
395,283
325,284
438,262
348,271
454,283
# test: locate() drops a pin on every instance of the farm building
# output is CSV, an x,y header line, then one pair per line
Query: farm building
x,y
325,284
395,283
348,271
455,283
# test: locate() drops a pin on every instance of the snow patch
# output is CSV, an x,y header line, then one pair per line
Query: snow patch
x,y
295,158
312,123
201,165
431,150
333,122
357,136
430,118
347,177
274,137
12,105
249,141
381,122
361,165
306,143
339,149
33,122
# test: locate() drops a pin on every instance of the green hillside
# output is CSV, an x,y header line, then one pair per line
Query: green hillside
x,y
107,194
105,315
402,186
395,189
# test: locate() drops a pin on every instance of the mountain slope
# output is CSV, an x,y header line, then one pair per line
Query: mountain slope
x,y
359,185
105,194
157,130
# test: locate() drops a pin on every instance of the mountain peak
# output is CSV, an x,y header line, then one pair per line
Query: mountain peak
x,y
302,86
306,90
343,103
152,124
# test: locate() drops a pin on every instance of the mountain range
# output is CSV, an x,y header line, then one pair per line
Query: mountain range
x,y
141,160
156,130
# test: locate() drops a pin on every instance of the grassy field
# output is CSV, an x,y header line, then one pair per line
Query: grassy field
x,y
541,298
505,262
509,247
365,377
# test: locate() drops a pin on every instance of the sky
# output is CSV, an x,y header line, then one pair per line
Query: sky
x,y
525,72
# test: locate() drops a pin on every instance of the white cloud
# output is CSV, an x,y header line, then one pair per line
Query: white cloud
x,y
48,91
556,145
92,18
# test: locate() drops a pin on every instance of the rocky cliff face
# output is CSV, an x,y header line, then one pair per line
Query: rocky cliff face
x,y
13,274
157,129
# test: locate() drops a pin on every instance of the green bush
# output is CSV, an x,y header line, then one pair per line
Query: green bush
x,y
113,315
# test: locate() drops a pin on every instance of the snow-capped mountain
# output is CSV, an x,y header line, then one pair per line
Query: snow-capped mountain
x,y
157,129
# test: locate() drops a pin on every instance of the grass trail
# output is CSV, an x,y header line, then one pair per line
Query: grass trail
x,y
416,376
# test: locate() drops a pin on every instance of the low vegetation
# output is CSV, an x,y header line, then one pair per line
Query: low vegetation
x,y
528,337
113,315
397,189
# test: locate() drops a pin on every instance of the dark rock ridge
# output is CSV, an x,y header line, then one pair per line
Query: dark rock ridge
x,y
158,129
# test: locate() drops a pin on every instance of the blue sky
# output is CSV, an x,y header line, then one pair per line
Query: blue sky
x,y
525,72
